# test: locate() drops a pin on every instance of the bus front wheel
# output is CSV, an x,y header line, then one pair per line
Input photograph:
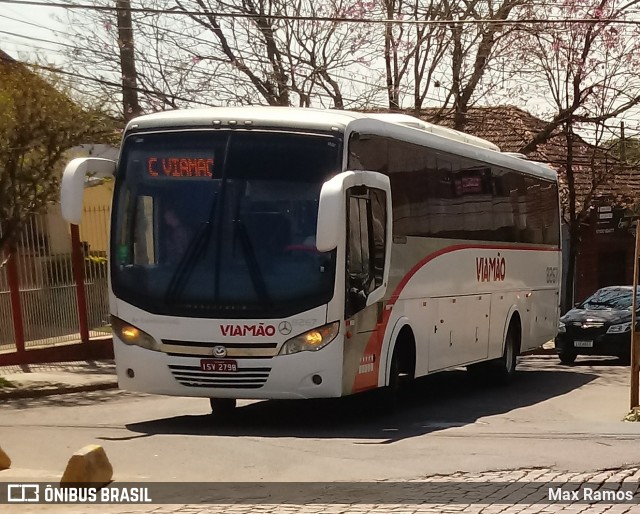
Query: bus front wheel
x,y
222,407
388,395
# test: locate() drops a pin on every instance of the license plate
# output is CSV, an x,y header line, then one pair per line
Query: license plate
x,y
223,365
583,344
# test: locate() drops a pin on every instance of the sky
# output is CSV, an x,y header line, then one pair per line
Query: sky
x,y
28,32
18,23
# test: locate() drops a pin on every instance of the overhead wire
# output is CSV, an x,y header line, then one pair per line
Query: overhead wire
x,y
53,69
201,73
380,87
332,19
158,94
31,24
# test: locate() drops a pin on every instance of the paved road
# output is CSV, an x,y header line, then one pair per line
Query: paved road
x,y
562,419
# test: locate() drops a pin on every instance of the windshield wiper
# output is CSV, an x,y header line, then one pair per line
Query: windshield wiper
x,y
196,246
187,263
257,277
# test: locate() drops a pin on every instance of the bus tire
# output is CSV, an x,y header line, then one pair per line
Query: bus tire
x,y
222,408
505,366
388,396
499,371
402,369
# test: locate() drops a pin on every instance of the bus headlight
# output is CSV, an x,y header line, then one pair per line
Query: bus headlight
x,y
311,340
133,336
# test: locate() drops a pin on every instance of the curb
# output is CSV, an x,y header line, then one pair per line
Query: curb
x,y
38,393
541,351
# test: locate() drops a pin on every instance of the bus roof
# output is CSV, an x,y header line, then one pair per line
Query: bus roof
x,y
391,125
302,118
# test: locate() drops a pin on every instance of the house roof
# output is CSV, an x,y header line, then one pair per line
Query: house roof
x,y
5,56
511,128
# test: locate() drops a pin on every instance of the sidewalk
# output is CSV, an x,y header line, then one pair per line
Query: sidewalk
x,y
33,380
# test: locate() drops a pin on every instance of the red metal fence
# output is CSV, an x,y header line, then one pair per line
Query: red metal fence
x,y
53,290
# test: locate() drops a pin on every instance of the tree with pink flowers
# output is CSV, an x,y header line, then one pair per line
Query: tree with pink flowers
x,y
588,73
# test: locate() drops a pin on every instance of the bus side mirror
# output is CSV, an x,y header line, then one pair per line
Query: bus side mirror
x,y
330,229
73,182
365,188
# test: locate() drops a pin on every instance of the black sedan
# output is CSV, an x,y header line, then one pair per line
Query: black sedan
x,y
600,325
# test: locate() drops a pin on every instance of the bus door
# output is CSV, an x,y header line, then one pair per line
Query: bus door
x,y
359,203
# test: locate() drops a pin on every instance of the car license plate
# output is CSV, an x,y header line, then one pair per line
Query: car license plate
x,y
223,365
583,344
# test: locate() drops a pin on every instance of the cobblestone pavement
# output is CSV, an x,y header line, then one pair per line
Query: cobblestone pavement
x,y
499,492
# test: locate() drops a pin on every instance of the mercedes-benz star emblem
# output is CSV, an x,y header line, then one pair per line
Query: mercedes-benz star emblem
x,y
219,351
285,328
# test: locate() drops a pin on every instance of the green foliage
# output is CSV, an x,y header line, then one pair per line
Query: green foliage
x,y
38,124
631,149
634,415
4,383
96,259
95,267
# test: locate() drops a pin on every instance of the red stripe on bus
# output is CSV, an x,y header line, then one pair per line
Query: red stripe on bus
x,y
369,380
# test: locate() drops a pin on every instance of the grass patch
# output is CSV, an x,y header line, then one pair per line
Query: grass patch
x,y
634,415
4,383
106,329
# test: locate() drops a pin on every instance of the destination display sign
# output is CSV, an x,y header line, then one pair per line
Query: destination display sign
x,y
180,167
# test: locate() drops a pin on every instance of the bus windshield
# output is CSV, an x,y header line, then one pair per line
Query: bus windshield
x,y
222,223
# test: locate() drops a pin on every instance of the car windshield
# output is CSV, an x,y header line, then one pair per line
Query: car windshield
x,y
222,224
609,298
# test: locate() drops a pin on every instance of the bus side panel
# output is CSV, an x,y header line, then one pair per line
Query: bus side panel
x,y
503,307
421,314
461,331
544,318
363,341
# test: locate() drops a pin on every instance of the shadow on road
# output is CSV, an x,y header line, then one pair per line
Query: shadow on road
x,y
436,402
69,399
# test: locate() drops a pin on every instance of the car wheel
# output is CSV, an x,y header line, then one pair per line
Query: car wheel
x,y
625,359
222,408
567,357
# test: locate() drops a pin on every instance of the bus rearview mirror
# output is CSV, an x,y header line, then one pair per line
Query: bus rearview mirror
x,y
331,211
73,184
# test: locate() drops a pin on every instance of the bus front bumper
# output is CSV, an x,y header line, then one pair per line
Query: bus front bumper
x,y
301,375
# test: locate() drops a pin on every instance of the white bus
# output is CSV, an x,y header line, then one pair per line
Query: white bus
x,y
298,253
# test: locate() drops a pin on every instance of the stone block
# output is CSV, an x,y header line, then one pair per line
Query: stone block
x,y
5,461
89,464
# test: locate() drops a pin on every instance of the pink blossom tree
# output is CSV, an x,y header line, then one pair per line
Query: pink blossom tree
x,y
587,72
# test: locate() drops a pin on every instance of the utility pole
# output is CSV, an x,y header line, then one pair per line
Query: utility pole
x,y
635,336
127,61
634,382
623,147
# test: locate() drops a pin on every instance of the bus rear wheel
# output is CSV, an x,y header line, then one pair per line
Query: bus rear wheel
x,y
500,371
505,367
222,408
